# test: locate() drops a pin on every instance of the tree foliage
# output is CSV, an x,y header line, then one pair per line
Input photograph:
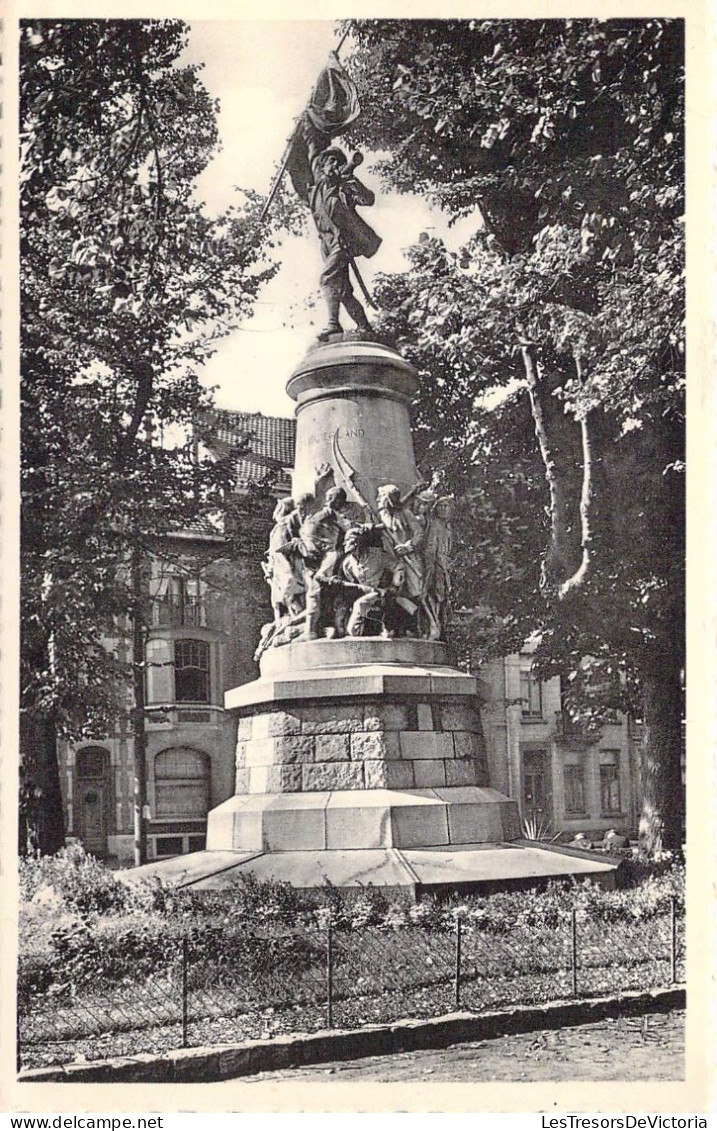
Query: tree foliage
x,y
552,343
126,284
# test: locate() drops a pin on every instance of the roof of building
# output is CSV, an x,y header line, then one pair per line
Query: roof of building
x,y
266,445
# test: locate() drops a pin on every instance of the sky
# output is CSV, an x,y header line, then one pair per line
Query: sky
x,y
262,73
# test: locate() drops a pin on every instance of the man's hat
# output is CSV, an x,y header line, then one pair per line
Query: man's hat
x,y
332,151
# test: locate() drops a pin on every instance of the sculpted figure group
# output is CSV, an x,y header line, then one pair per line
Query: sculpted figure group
x,y
331,576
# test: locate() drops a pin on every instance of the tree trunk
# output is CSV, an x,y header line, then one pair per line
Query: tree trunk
x,y
662,818
139,734
562,555
41,819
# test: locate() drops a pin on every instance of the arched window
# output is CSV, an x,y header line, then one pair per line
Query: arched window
x,y
191,671
91,762
181,783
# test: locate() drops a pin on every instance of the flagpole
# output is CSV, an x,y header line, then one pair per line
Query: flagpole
x,y
287,151
361,283
282,169
343,39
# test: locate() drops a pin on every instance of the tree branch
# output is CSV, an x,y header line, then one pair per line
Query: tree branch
x,y
587,495
555,566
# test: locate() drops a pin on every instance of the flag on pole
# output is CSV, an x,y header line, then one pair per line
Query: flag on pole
x,y
332,107
334,103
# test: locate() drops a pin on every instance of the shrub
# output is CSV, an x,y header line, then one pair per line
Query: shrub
x,y
82,927
83,882
637,868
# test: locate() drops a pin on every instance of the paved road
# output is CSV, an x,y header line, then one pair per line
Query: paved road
x,y
634,1048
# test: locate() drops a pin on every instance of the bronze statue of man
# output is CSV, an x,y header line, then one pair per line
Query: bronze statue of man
x,y
333,198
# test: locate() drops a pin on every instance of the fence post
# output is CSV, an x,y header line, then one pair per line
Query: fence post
x,y
329,977
574,949
459,927
673,943
185,994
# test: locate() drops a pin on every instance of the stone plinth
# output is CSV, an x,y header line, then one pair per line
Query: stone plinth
x,y
362,391
360,680
358,745
356,651
361,742
354,820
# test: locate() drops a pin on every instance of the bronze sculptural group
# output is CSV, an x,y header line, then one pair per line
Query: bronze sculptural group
x,y
332,575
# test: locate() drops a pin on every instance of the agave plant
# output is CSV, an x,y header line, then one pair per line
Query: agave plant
x,y
537,827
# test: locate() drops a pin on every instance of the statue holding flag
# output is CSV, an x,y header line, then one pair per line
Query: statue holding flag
x,y
343,233
323,178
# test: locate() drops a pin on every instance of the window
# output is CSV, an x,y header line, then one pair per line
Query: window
x,y
530,694
181,784
91,762
168,846
574,788
191,671
179,602
177,845
609,781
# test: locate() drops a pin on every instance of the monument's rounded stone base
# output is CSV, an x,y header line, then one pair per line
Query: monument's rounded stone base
x,y
349,651
357,395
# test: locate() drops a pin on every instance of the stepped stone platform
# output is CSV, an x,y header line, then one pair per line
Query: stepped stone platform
x,y
362,819
481,868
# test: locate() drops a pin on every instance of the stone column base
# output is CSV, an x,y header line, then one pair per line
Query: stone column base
x,y
359,748
362,819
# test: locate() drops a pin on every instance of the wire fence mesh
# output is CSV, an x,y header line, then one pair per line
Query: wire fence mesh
x,y
276,979
505,969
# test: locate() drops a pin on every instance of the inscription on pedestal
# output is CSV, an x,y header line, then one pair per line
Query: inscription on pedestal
x,y
343,433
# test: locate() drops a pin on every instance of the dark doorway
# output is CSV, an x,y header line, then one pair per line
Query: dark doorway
x,y
93,800
537,793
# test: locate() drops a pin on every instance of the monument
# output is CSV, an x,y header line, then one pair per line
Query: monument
x,y
360,757
360,736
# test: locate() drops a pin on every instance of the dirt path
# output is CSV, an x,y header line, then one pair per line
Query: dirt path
x,y
628,1048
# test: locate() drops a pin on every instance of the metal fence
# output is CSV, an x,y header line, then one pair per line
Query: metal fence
x,y
269,980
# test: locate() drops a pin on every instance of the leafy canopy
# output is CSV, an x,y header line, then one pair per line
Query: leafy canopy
x,y
565,139
126,286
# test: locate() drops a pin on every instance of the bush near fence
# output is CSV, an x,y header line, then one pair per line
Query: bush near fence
x,y
106,968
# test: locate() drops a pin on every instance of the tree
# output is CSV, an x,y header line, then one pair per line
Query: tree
x,y
126,285
565,139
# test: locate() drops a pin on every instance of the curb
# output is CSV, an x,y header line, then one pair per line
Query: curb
x,y
227,1062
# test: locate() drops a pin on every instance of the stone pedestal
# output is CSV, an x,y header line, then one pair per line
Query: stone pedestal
x,y
359,392
359,744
